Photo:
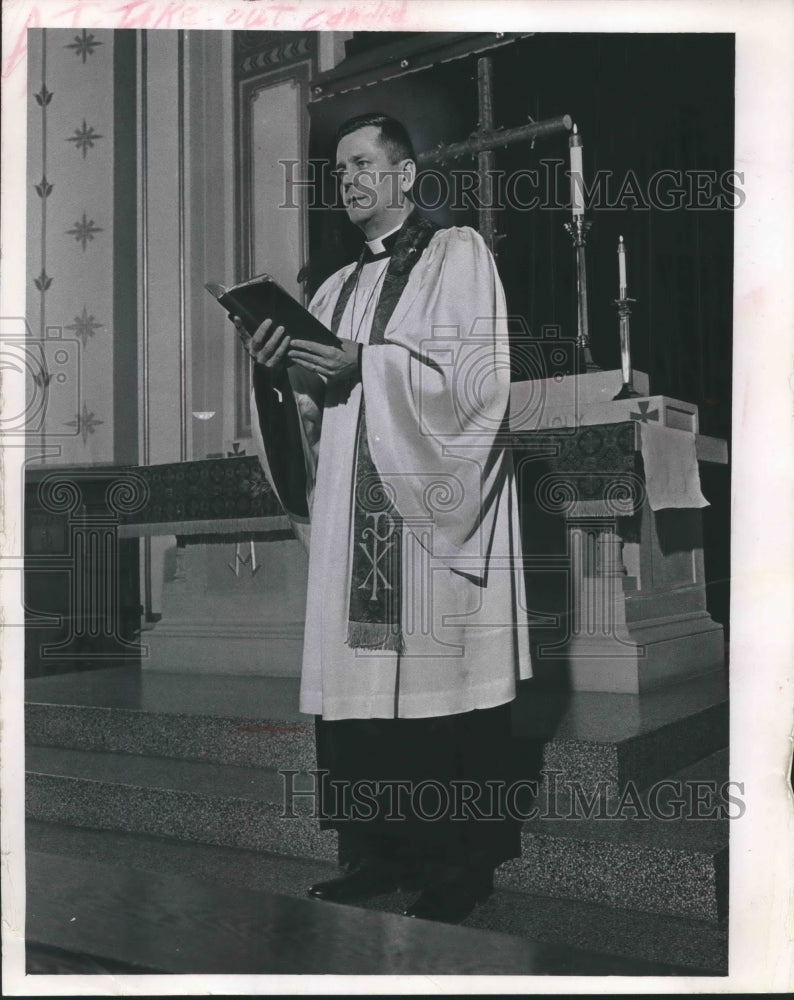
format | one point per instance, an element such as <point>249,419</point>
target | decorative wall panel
<point>70,239</point>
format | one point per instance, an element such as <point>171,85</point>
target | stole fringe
<point>374,635</point>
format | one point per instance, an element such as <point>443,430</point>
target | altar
<point>616,587</point>
<point>612,534</point>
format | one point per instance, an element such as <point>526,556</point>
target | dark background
<point>643,103</point>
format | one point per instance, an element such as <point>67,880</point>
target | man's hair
<point>393,134</point>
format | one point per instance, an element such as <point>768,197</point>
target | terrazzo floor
<point>543,935</point>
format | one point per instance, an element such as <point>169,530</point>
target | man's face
<point>373,187</point>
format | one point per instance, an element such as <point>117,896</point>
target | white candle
<point>622,267</point>
<point>577,174</point>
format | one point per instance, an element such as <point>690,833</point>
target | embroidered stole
<point>375,581</point>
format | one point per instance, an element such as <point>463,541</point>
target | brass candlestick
<point>627,390</point>
<point>578,230</point>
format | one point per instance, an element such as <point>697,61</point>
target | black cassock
<point>446,810</point>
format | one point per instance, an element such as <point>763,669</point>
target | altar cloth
<point>672,479</point>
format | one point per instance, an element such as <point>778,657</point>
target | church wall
<point>229,606</point>
<point>130,172</point>
<point>133,153</point>
<point>71,238</point>
<point>81,320</point>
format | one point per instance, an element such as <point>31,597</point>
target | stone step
<point>224,719</point>
<point>195,801</point>
<point>628,854</point>
<point>180,924</point>
<point>691,946</point>
<point>587,736</point>
<point>591,736</point>
<point>244,741</point>
<point>653,866</point>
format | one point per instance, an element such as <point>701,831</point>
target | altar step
<point>223,804</point>
<point>569,937</point>
<point>197,762</point>
<point>633,854</point>
<point>222,719</point>
<point>589,736</point>
<point>651,865</point>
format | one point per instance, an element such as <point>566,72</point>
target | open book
<point>262,298</point>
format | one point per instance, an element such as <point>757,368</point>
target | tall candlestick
<point>625,345</point>
<point>578,230</point>
<point>627,390</point>
<point>577,173</point>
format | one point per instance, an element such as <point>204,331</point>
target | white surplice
<point>436,393</point>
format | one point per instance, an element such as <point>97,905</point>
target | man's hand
<point>332,362</point>
<point>267,347</point>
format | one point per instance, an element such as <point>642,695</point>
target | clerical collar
<point>382,246</point>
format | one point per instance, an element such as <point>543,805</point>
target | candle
<point>622,267</point>
<point>577,175</point>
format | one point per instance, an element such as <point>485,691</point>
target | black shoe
<point>451,900</point>
<point>363,881</point>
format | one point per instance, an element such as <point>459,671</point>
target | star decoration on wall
<point>85,137</point>
<point>84,326</point>
<point>83,45</point>
<point>85,422</point>
<point>84,231</point>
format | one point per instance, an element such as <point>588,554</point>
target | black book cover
<point>262,298</point>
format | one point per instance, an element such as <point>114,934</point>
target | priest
<point>389,454</point>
